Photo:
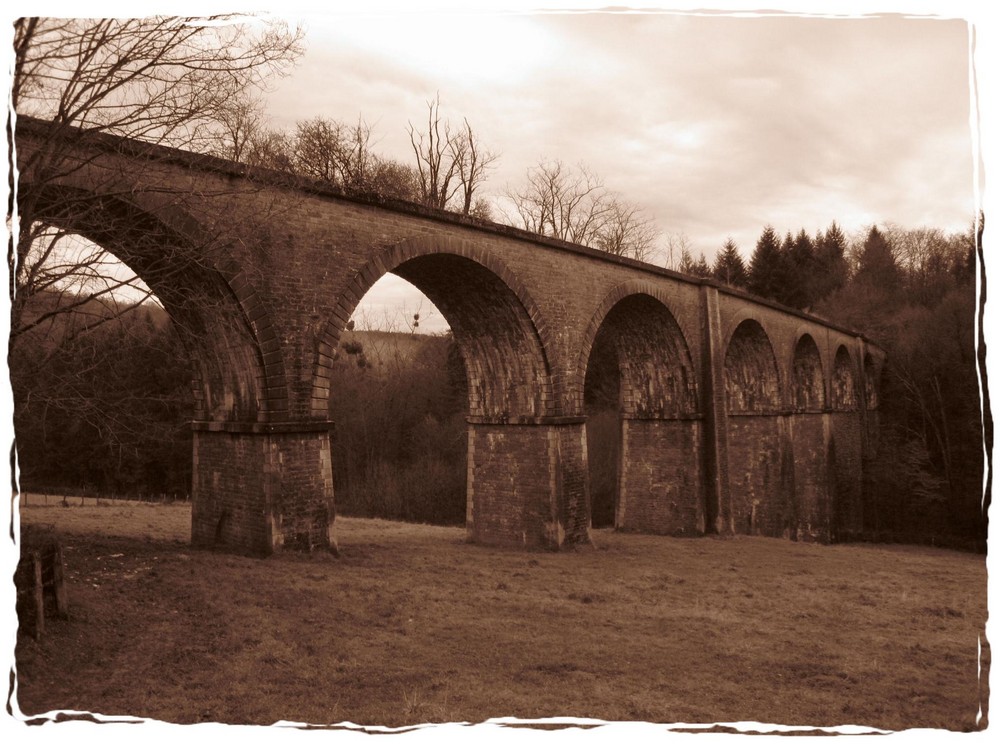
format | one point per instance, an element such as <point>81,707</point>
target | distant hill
<point>384,348</point>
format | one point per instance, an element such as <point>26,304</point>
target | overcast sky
<point>715,124</point>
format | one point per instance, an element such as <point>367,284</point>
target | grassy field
<point>412,624</point>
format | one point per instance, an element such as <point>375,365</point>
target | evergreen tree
<point>729,266</point>
<point>801,285</point>
<point>831,264</point>
<point>687,264</point>
<point>702,269</point>
<point>766,269</point>
<point>876,263</point>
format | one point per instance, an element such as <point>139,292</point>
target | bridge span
<point>737,415</point>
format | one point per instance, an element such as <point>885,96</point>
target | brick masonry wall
<point>760,476</point>
<point>847,473</point>
<point>258,492</point>
<point>509,490</point>
<point>229,501</point>
<point>661,483</point>
<point>527,485</point>
<point>810,440</point>
<point>284,264</point>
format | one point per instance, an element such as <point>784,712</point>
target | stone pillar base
<point>527,482</point>
<point>661,477</point>
<point>259,488</point>
<point>810,442</point>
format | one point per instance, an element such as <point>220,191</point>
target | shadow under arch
<point>808,431</point>
<point>497,326</point>
<point>641,399</point>
<point>751,371</point>
<point>210,298</point>
<point>846,447</point>
<point>807,380</point>
<point>843,385</point>
<point>760,462</point>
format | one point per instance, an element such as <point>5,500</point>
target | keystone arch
<point>514,435</point>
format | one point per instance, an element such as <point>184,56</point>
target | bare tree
<point>238,126</point>
<point>155,79</point>
<point>627,232</point>
<point>574,205</point>
<point>473,162</point>
<point>270,148</point>
<point>316,146</point>
<point>332,151</point>
<point>184,82</point>
<point>561,203</point>
<point>394,180</point>
<point>449,165</point>
<point>433,150</point>
<point>678,245</point>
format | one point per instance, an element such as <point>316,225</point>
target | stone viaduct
<point>737,415</point>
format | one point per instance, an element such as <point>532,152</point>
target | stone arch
<point>658,376</point>
<point>843,389</point>
<point>209,296</point>
<point>658,483</point>
<point>751,371</point>
<point>808,391</point>
<point>496,324</point>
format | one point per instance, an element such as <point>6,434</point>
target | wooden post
<point>58,583</point>
<point>38,594</point>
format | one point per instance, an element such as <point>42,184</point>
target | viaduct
<point>737,415</point>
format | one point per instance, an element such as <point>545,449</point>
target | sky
<point>715,120</point>
<point>714,124</point>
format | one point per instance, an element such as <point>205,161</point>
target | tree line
<point>449,169</point>
<point>913,292</point>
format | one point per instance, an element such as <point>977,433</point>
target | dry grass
<point>412,624</point>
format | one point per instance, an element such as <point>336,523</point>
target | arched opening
<point>846,446</point>
<point>217,317</point>
<point>751,372</point>
<point>761,502</point>
<point>101,381</point>
<point>807,376</point>
<point>809,444</point>
<point>486,382</point>
<point>399,406</point>
<point>181,270</point>
<point>641,402</point>
<point>843,389</point>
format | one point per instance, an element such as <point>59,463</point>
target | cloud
<point>716,125</point>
